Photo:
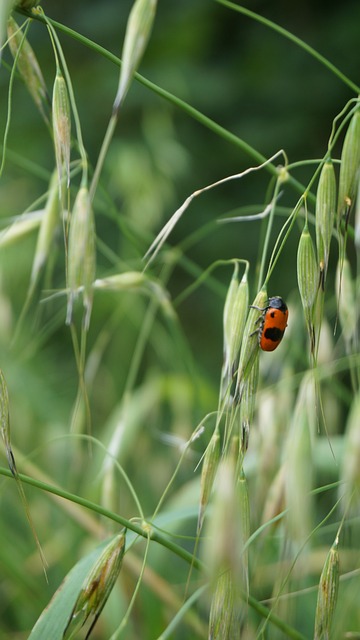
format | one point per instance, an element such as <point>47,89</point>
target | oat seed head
<point>347,304</point>
<point>235,313</point>
<point>81,255</point>
<point>97,587</point>
<point>223,551</point>
<point>349,488</point>
<point>226,609</point>
<point>227,315</point>
<point>220,550</point>
<point>47,230</point>
<point>28,66</point>
<point>308,280</point>
<point>250,343</point>
<point>122,281</point>
<point>138,30</point>
<point>325,215</point>
<point>20,228</point>
<point>327,594</point>
<point>61,118</point>
<point>349,168</point>
<point>357,220</point>
<point>4,416</point>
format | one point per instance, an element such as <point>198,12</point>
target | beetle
<point>273,322</point>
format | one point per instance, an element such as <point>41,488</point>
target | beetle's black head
<point>277,303</point>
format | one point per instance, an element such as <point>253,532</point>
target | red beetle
<point>273,323</point>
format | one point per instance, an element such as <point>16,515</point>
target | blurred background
<point>250,80</point>
<point>255,84</point>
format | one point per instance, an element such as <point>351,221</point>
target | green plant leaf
<point>54,618</point>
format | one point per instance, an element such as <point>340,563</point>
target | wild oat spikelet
<point>96,588</point>
<point>349,489</point>
<point>61,118</point>
<point>5,422</point>
<point>325,216</point>
<point>221,544</point>
<point>28,66</point>
<point>81,255</point>
<point>347,304</point>
<point>307,271</point>
<point>225,610</point>
<point>228,320</point>
<point>308,280</point>
<point>122,281</point>
<point>327,594</point>
<point>224,548</point>
<point>48,226</point>
<point>349,169</point>
<point>250,343</point>
<point>140,282</point>
<point>357,221</point>
<point>234,318</point>
<point>138,31</point>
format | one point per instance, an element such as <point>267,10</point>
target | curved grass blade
<point>5,434</point>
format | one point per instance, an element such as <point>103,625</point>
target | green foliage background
<point>273,95</point>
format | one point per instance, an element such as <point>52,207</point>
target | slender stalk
<point>282,238</point>
<point>102,155</point>
<point>180,614</point>
<point>269,227</point>
<point>290,36</point>
<point>145,532</point>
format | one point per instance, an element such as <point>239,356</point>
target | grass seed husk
<point>325,216</point>
<point>327,594</point>
<point>81,255</point>
<point>61,118</point>
<point>349,169</point>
